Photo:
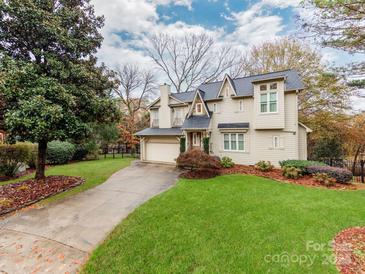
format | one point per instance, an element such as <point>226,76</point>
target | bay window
<point>234,141</point>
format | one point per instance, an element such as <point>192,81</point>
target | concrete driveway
<point>58,237</point>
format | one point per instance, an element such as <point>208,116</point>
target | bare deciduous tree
<point>191,60</point>
<point>136,87</point>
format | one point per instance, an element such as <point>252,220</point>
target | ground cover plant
<point>231,224</point>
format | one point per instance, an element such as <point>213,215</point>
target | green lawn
<point>94,172</point>
<point>231,224</point>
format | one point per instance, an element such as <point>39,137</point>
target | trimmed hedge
<point>12,156</point>
<point>59,152</point>
<point>301,164</point>
<point>341,175</point>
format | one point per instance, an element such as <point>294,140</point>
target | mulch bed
<point>349,247</point>
<point>275,174</point>
<point>200,174</point>
<point>17,195</point>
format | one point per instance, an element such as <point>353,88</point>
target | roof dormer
<point>198,106</point>
<point>227,89</point>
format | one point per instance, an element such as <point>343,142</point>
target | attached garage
<point>160,145</point>
<point>160,149</point>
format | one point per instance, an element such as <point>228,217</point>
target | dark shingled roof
<point>175,131</point>
<point>243,86</point>
<point>234,125</point>
<point>196,122</point>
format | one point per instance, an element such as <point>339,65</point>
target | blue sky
<point>237,23</point>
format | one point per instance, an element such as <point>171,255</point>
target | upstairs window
<point>240,105</point>
<point>263,87</point>
<point>269,102</point>
<point>215,107</point>
<point>199,108</point>
<point>274,86</point>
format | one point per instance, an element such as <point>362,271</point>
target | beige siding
<point>302,145</point>
<point>264,149</point>
<point>291,111</point>
<point>269,120</point>
<point>154,113</point>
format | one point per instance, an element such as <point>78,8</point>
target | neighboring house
<point>247,119</point>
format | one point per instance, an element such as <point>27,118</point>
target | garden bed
<point>18,195</point>
<point>276,174</point>
<point>200,174</point>
<point>349,247</point>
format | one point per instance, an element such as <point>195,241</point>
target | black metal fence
<point>356,167</point>
<point>122,149</point>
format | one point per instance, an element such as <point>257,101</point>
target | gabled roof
<point>243,86</point>
<point>196,122</point>
<point>307,129</point>
<point>231,83</point>
<point>201,96</point>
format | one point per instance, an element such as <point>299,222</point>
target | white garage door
<point>162,152</point>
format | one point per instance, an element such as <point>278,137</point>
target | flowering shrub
<point>197,159</point>
<point>227,162</point>
<point>264,165</point>
<point>324,179</point>
<point>341,175</point>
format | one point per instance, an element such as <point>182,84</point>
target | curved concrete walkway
<point>58,237</point>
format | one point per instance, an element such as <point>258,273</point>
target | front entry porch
<point>194,139</point>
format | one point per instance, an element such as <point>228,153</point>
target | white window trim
<point>240,103</point>
<point>201,108</point>
<point>268,102</point>
<point>229,141</point>
<point>272,84</point>
<point>277,145</point>
<point>215,108</point>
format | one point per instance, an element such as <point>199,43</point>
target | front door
<point>196,139</point>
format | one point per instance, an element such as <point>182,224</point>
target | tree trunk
<point>355,159</point>
<point>41,163</point>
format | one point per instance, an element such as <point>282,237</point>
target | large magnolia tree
<point>52,85</point>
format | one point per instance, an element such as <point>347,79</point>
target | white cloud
<point>257,24</point>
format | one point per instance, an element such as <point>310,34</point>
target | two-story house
<point>247,119</point>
